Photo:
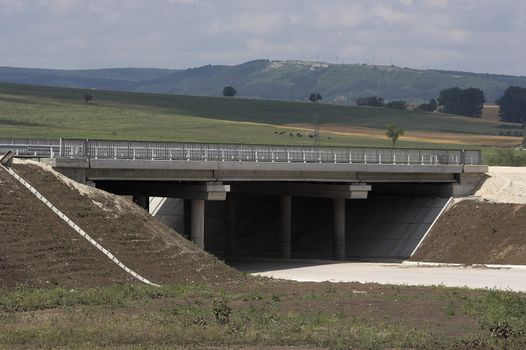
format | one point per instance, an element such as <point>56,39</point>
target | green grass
<point>138,316</point>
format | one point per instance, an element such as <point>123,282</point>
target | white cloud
<point>184,33</point>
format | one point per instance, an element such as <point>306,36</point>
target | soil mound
<point>477,232</point>
<point>37,248</point>
<point>504,185</point>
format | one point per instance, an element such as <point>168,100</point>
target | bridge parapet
<point>204,152</point>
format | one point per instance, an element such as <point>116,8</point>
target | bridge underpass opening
<point>382,227</point>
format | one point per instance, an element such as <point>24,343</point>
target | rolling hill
<point>280,80</point>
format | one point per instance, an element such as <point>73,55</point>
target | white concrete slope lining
<point>76,227</point>
<point>433,224</point>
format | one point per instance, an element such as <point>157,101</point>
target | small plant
<point>450,311</point>
<point>222,311</point>
<point>501,330</point>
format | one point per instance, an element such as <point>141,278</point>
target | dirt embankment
<point>489,228</point>
<point>39,249</point>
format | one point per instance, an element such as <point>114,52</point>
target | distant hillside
<point>282,80</point>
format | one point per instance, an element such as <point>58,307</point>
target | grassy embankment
<point>338,316</point>
<point>45,112</point>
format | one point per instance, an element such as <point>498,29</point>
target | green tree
<point>467,102</point>
<point>373,101</point>
<point>428,107</point>
<point>315,97</point>
<point>512,105</point>
<point>399,104</point>
<point>229,91</point>
<point>394,132</point>
<point>88,97</point>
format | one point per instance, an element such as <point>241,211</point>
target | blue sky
<point>471,35</point>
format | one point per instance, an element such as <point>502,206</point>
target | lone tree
<point>512,105</point>
<point>88,98</point>
<point>394,132</point>
<point>314,98</point>
<point>229,91</point>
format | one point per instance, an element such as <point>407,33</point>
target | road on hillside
<point>388,273</point>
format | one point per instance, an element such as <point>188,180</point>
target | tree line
<point>466,102</point>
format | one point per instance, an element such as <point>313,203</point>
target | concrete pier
<point>198,222</point>
<point>230,227</point>
<point>142,201</point>
<point>339,229</point>
<point>285,226</point>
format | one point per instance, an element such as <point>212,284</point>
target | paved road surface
<point>513,279</point>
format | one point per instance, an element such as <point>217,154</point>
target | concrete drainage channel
<point>5,161</point>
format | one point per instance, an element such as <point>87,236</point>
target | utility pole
<point>314,98</point>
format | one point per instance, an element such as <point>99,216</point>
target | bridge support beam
<point>285,226</point>
<point>339,229</point>
<point>142,201</point>
<point>230,226</point>
<point>198,222</point>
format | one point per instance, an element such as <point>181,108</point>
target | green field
<point>46,112</point>
<point>302,316</point>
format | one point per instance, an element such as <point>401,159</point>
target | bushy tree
<point>373,101</point>
<point>394,132</point>
<point>88,97</point>
<point>315,97</point>
<point>428,107</point>
<point>467,102</point>
<point>229,91</point>
<point>512,105</point>
<point>399,104</point>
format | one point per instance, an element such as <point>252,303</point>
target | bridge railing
<point>105,149</point>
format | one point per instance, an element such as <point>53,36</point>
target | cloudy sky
<point>470,35</point>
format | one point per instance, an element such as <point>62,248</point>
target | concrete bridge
<point>230,179</point>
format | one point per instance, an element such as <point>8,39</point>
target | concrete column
<point>143,202</point>
<point>285,227</point>
<point>187,218</point>
<point>198,222</point>
<point>339,229</point>
<point>230,226</point>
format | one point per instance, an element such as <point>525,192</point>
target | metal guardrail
<point>105,149</point>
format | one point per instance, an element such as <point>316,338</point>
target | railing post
<point>60,147</point>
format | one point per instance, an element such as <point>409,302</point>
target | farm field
<point>46,112</point>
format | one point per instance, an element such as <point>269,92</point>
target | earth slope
<point>489,228</point>
<point>39,249</point>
